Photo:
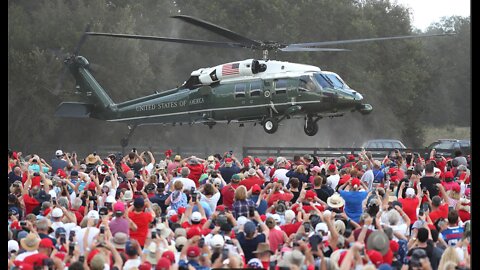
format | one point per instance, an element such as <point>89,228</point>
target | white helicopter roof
<point>241,70</point>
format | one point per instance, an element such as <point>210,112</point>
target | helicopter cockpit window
<point>324,83</point>
<point>335,81</point>
<point>240,90</point>
<point>306,84</point>
<point>281,86</point>
<point>255,89</point>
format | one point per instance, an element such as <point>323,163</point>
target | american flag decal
<point>230,69</point>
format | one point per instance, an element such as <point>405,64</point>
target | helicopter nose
<point>358,96</point>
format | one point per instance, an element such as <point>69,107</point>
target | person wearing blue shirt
<point>454,233</point>
<point>353,197</point>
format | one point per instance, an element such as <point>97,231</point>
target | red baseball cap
<point>220,208</point>
<point>163,264</point>
<point>145,266</point>
<point>256,188</point>
<point>92,186</point>
<point>246,160</point>
<point>375,257</point>
<point>119,206</point>
<point>448,174</point>
<point>228,160</point>
<point>193,251</point>
<point>257,161</point>
<point>174,218</point>
<point>193,231</point>
<point>181,210</point>
<point>351,157</point>
<point>394,246</point>
<point>355,181</point>
<point>263,217</point>
<point>46,243</point>
<point>61,173</point>
<point>169,255</point>
<point>270,160</point>
<point>310,194</point>
<point>332,167</point>
<point>456,187</point>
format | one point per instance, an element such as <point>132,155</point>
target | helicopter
<point>261,91</point>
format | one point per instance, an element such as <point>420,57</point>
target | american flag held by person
<point>230,69</point>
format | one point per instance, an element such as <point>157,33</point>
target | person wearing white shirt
<point>187,183</point>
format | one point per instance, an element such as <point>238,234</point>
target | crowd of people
<point>141,211</point>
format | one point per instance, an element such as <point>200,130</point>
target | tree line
<point>411,84</point>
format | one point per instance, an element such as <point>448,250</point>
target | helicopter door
<point>199,104</point>
<point>282,94</point>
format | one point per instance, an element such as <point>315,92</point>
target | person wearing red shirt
<point>291,224</point>
<point>141,218</point>
<point>196,168</point>
<point>277,193</point>
<point>410,203</point>
<point>252,179</point>
<point>228,191</point>
<point>439,210</point>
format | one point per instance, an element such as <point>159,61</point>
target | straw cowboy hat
<point>335,201</point>
<point>91,159</point>
<point>30,242</point>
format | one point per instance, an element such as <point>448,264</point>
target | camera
<point>23,223</point>
<point>214,174</point>
<point>251,211</point>
<point>81,258</point>
<point>92,198</point>
<point>201,242</point>
<point>71,248</point>
<point>102,229</point>
<point>154,234</point>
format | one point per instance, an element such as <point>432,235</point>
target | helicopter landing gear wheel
<point>311,127</point>
<point>270,125</point>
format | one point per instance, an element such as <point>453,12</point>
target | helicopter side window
<point>281,86</point>
<point>240,90</point>
<point>306,84</point>
<point>255,89</point>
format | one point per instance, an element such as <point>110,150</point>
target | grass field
<point>447,132</point>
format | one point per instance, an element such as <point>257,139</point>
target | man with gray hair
<point>43,226</point>
<point>187,182</point>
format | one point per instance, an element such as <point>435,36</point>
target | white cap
<point>241,220</point>
<point>252,172</point>
<point>110,199</point>
<point>217,241</point>
<point>321,227</point>
<point>277,218</point>
<point>12,246</point>
<point>160,226</point>
<point>410,192</point>
<point>57,212</point>
<point>196,216</point>
<point>327,213</point>
<point>171,212</point>
<point>217,181</point>
<point>152,247</point>
<point>59,153</point>
<point>52,193</point>
<point>289,215</point>
<point>93,214</point>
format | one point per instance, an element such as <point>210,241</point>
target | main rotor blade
<point>82,40</point>
<point>219,30</point>
<point>176,40</point>
<point>336,42</point>
<point>312,49</point>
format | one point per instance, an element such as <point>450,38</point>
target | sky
<point>424,12</point>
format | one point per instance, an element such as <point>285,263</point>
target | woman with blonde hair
<point>301,173</point>
<point>241,204</point>
<point>450,255</point>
